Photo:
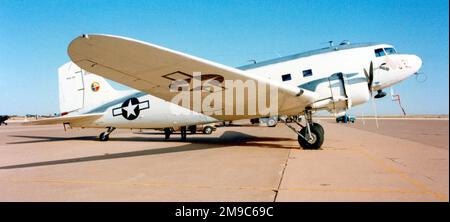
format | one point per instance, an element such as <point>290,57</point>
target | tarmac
<point>402,160</point>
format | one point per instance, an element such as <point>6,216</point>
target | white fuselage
<point>319,71</point>
<point>153,113</point>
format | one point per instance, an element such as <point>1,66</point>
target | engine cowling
<point>342,92</point>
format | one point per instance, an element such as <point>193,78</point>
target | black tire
<point>207,130</point>
<point>317,135</point>
<point>319,127</point>
<point>193,129</point>
<point>183,131</point>
<point>167,132</point>
<point>103,137</point>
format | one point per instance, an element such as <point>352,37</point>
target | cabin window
<point>379,52</point>
<point>390,51</point>
<point>307,73</point>
<point>286,77</point>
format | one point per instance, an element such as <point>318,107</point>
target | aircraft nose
<point>416,63</point>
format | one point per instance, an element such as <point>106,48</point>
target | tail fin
<point>80,90</point>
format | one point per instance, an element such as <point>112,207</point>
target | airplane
<point>333,78</point>
<point>3,120</point>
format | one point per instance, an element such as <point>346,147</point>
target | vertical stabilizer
<point>71,88</point>
<point>81,91</point>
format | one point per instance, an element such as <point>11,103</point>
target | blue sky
<point>34,36</point>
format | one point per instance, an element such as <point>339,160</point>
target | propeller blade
<point>370,76</point>
<point>367,75</point>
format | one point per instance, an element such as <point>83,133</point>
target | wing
<point>65,119</point>
<point>153,69</point>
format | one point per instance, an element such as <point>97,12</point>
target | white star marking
<point>130,109</point>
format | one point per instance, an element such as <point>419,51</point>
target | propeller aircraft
<point>174,89</point>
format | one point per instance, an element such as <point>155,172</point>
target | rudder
<point>81,91</point>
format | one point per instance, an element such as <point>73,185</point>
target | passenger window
<point>379,52</point>
<point>307,73</point>
<point>390,51</point>
<point>286,77</point>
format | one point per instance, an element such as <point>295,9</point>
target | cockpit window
<point>390,51</point>
<point>379,52</point>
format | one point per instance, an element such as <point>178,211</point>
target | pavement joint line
<point>282,175</point>
<point>404,176</point>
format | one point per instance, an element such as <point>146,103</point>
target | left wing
<point>152,69</point>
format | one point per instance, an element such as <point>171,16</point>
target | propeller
<point>369,77</point>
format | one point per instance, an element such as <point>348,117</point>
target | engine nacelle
<point>342,92</point>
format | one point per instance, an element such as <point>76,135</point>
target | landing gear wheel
<point>316,137</point>
<point>103,137</point>
<point>167,132</point>
<point>319,127</point>
<point>207,130</point>
<point>193,129</point>
<point>183,133</point>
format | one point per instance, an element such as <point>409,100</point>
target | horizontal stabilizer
<point>65,119</point>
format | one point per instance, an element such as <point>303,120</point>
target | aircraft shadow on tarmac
<point>227,139</point>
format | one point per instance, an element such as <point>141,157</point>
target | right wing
<point>152,69</point>
<point>65,119</point>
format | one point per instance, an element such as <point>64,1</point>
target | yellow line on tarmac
<point>149,184</point>
<point>356,190</point>
<point>403,175</point>
<point>187,186</point>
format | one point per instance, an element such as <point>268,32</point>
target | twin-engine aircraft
<point>174,89</point>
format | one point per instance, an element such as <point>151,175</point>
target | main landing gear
<point>183,130</point>
<point>169,131</point>
<point>105,135</point>
<point>311,135</point>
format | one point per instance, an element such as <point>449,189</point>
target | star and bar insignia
<point>131,108</point>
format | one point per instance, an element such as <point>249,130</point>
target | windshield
<point>379,52</point>
<point>390,51</point>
